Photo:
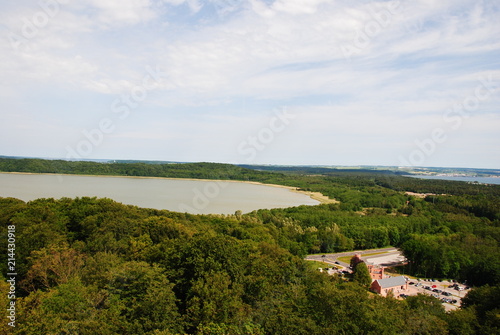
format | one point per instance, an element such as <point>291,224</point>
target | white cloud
<point>112,12</point>
<point>194,5</point>
<point>298,6</point>
<point>395,87</point>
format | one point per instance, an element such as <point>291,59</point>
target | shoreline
<point>322,199</point>
<point>318,196</point>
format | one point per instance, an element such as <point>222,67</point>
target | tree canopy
<point>95,266</point>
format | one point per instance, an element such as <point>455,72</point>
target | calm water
<point>192,196</point>
<point>482,180</point>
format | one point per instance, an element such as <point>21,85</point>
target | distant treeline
<point>310,178</point>
<point>172,170</point>
<point>319,170</point>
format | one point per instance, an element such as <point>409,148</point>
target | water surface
<point>180,195</point>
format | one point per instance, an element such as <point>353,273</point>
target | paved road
<point>392,255</point>
<point>332,258</point>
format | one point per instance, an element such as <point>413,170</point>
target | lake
<point>180,195</point>
<point>482,180</point>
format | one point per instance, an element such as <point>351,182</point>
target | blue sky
<point>252,81</point>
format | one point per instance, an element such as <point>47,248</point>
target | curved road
<point>387,256</point>
<point>332,258</point>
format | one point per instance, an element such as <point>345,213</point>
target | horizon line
<point>101,160</point>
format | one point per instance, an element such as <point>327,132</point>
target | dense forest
<point>186,170</point>
<point>94,266</point>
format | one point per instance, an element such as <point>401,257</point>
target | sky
<point>289,82</point>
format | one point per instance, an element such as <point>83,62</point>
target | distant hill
<point>304,169</point>
<point>321,170</point>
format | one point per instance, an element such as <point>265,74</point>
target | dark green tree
<point>361,275</point>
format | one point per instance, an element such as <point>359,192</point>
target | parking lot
<point>384,256</point>
<point>440,290</point>
<point>392,257</point>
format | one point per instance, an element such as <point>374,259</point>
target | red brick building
<point>376,271</point>
<point>396,285</point>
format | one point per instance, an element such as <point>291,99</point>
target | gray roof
<point>392,281</point>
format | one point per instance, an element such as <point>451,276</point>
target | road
<point>392,256</point>
<point>388,256</point>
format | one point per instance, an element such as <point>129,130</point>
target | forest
<point>95,266</point>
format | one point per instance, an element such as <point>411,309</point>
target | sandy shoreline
<point>319,197</point>
<point>323,199</point>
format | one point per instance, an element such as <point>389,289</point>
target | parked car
<point>436,290</point>
<point>411,283</point>
<point>446,293</point>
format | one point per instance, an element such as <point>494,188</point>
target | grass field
<point>316,264</point>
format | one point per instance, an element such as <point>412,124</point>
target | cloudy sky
<point>321,82</point>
